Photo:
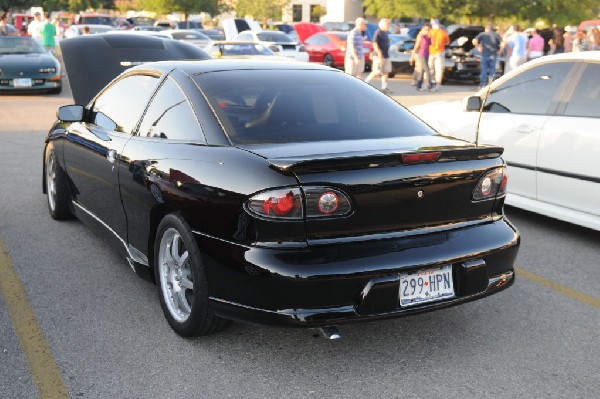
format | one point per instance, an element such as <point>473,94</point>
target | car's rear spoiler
<point>376,158</point>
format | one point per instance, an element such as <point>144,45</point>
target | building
<point>335,10</point>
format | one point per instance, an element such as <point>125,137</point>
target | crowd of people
<point>516,45</point>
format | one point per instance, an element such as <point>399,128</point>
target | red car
<point>329,48</point>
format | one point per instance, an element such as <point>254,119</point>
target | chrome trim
<point>220,239</point>
<point>134,254</point>
<point>500,280</point>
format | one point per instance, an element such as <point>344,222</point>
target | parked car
<point>190,36</point>
<point>21,22</point>
<point>214,34</point>
<point>276,41</point>
<point>77,30</point>
<point>329,48</point>
<point>225,49</point>
<point>234,26</point>
<point>461,64</point>
<point>189,25</point>
<point>400,53</point>
<point>93,19</point>
<point>26,66</point>
<point>546,115</point>
<point>279,193</point>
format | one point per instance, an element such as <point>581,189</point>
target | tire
<point>328,61</point>
<point>181,280</point>
<point>57,188</point>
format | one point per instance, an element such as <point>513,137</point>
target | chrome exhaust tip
<point>330,332</point>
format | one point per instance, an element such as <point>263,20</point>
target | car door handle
<point>524,129</point>
<point>111,155</point>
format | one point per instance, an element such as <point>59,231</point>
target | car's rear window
<point>283,106</point>
<point>274,37</point>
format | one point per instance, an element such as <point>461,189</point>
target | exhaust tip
<point>330,332</point>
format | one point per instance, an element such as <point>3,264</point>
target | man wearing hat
<point>437,52</point>
<point>488,44</point>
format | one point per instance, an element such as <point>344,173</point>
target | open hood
<point>307,29</point>
<point>92,61</point>
<point>462,37</point>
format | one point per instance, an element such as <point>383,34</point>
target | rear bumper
<point>339,284</point>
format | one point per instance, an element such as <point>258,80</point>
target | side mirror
<point>70,113</point>
<point>473,104</point>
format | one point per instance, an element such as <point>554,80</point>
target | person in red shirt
<point>437,52</point>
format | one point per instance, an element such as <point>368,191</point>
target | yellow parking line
<point>45,374</point>
<point>561,289</point>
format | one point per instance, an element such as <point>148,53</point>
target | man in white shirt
<point>35,27</point>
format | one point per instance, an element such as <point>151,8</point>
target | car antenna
<point>487,93</point>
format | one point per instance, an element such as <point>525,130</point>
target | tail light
<point>326,202</point>
<point>420,157</point>
<point>294,203</point>
<point>491,185</point>
<point>277,204</point>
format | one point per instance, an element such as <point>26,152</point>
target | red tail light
<point>420,157</point>
<point>285,203</point>
<point>491,185</point>
<point>288,203</point>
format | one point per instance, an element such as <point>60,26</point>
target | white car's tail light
<point>491,185</point>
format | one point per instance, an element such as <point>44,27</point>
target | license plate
<point>22,82</point>
<point>426,285</point>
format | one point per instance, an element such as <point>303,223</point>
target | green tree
<point>261,9</point>
<point>7,5</point>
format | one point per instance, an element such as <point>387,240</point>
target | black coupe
<point>273,192</point>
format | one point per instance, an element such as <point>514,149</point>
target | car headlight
<point>47,70</point>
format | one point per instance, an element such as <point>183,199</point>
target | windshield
<point>243,49</point>
<point>189,36</point>
<point>274,37</point>
<point>294,105</point>
<point>95,20</point>
<point>19,45</point>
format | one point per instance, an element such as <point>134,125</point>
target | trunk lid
<point>388,195</point>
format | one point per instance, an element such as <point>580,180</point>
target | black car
<point>278,193</point>
<point>461,62</point>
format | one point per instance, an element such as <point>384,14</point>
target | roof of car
<point>214,65</point>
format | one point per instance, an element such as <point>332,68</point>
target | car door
<point>315,45</point>
<point>92,152</point>
<point>168,135</point>
<point>568,169</point>
<point>516,112</point>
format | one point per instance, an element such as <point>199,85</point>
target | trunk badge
<point>420,194</point>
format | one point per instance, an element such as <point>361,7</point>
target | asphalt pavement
<point>106,336</point>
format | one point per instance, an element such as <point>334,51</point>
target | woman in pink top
<point>535,46</point>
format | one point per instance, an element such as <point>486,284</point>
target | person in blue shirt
<point>382,64</point>
<point>354,62</point>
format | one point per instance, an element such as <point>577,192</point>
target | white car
<point>190,36</point>
<point>278,42</point>
<point>77,30</point>
<point>546,115</point>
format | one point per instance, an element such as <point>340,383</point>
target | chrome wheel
<point>328,60</point>
<point>175,273</point>
<point>51,182</point>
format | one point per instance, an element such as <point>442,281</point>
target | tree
<point>187,7</point>
<point>7,5</point>
<point>261,9</point>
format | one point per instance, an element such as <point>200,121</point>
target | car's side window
<point>170,116</point>
<point>313,40</point>
<point>124,102</point>
<point>585,100</point>
<point>535,91</point>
